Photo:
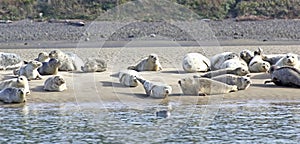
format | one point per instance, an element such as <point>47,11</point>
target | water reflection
<point>64,123</point>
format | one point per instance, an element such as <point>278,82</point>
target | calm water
<point>232,123</point>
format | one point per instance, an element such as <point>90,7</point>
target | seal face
<point>128,78</point>
<point>289,59</point>
<point>257,64</point>
<point>204,86</point>
<point>67,64</point>
<point>151,63</point>
<point>285,76</point>
<point>195,62</point>
<point>55,83</point>
<point>13,95</point>
<point>242,82</point>
<point>94,65</point>
<point>155,89</point>
<point>20,82</point>
<point>50,67</point>
<point>30,70</point>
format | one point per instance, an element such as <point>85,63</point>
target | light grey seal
<point>289,59</point>
<point>195,62</point>
<point>151,63</point>
<point>204,86</point>
<point>218,59</point>
<point>13,95</point>
<point>237,71</point>
<point>242,82</point>
<point>9,61</point>
<point>155,89</point>
<point>257,64</point>
<point>285,76</point>
<point>29,70</point>
<point>55,83</point>
<point>94,65</point>
<point>128,78</point>
<point>67,63</point>
<point>20,82</point>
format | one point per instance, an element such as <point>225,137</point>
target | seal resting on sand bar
<point>151,63</point>
<point>94,65</point>
<point>195,62</point>
<point>155,89</point>
<point>20,82</point>
<point>30,70</point>
<point>55,83</point>
<point>50,67</point>
<point>237,71</point>
<point>285,76</point>
<point>128,78</point>
<point>13,95</point>
<point>242,82</point>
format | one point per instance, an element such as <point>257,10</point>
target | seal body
<point>272,58</point>
<point>218,59</point>
<point>257,64</point>
<point>246,55</point>
<point>155,89</point>
<point>234,63</point>
<point>67,64</point>
<point>13,95</point>
<point>237,71</point>
<point>151,63</point>
<point>20,82</point>
<point>195,62</point>
<point>242,82</point>
<point>43,57</point>
<point>289,59</point>
<point>50,67</point>
<point>94,65</point>
<point>10,61</point>
<point>128,78</point>
<point>30,70</point>
<point>285,76</point>
<point>55,83</point>
<point>204,86</point>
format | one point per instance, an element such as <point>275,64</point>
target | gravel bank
<point>268,30</point>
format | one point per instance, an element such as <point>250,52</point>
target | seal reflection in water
<point>13,95</point>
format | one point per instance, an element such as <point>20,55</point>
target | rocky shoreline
<point>229,29</point>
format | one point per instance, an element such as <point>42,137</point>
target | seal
<point>272,58</point>
<point>43,57</point>
<point>50,67</point>
<point>234,63</point>
<point>204,86</point>
<point>13,95</point>
<point>155,89</point>
<point>237,71</point>
<point>289,59</point>
<point>195,62</point>
<point>218,59</point>
<point>55,83</point>
<point>242,82</point>
<point>128,78</point>
<point>285,76</point>
<point>257,64</point>
<point>151,63</point>
<point>94,65</point>
<point>29,70</point>
<point>9,61</point>
<point>67,64</point>
<point>246,55</point>
<point>20,82</point>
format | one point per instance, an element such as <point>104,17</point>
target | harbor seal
<point>234,63</point>
<point>9,61</point>
<point>246,55</point>
<point>155,89</point>
<point>30,70</point>
<point>55,83</point>
<point>151,63</point>
<point>272,58</point>
<point>218,59</point>
<point>128,78</point>
<point>13,95</point>
<point>237,71</point>
<point>204,86</point>
<point>20,82</point>
<point>285,76</point>
<point>242,82</point>
<point>94,65</point>
<point>257,64</point>
<point>67,64</point>
<point>195,62</point>
<point>43,57</point>
<point>289,59</point>
<point>50,67</point>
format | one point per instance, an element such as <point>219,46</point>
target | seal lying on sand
<point>128,78</point>
<point>29,70</point>
<point>94,65</point>
<point>218,59</point>
<point>242,82</point>
<point>20,82</point>
<point>151,63</point>
<point>155,89</point>
<point>237,71</point>
<point>67,64</point>
<point>13,95</point>
<point>204,86</point>
<point>43,57</point>
<point>195,62</point>
<point>257,64</point>
<point>50,67</point>
<point>55,83</point>
<point>285,76</point>
<point>9,61</point>
<point>246,55</point>
<point>289,60</point>
<point>234,63</point>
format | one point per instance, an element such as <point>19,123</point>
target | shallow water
<point>254,122</point>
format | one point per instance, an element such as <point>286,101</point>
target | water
<point>232,123</point>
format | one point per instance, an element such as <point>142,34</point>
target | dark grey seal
<point>285,76</point>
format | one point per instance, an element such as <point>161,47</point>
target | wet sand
<point>103,88</point>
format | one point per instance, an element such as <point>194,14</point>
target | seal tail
<point>142,81</point>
